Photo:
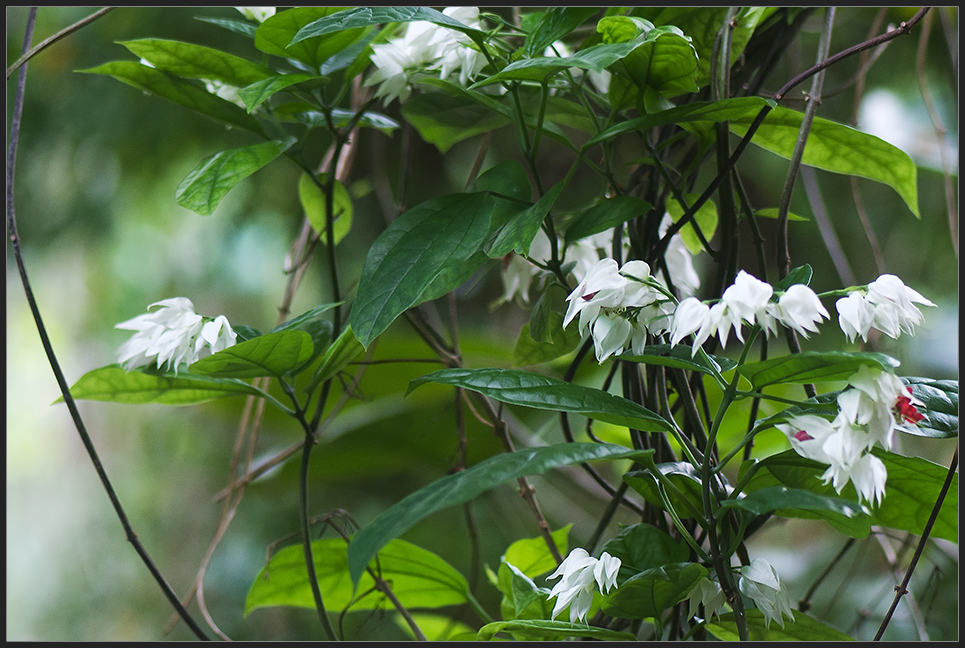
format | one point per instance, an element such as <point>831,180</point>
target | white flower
<point>760,583</point>
<point>610,332</point>
<point>580,571</point>
<point>888,305</point>
<point>799,308</point>
<point>173,334</point>
<point>691,316</point>
<point>680,263</point>
<point>869,475</point>
<point>602,286</point>
<point>743,300</point>
<point>709,594</point>
<point>259,14</point>
<point>855,315</point>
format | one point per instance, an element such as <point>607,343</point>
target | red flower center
<point>907,411</point>
<point>801,435</point>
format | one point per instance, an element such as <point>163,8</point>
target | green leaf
<point>803,628</point>
<point>641,547</point>
<point>940,398</point>
<point>465,485</point>
<point>913,487</point>
<point>799,275</point>
<point>522,598</point>
<point>535,629</point>
<point>343,350</point>
<point>312,198</point>
<point>419,579</point>
<point>560,342</point>
<point>605,215</point>
<point>680,357</point>
<point>706,219</point>
<point>812,366</point>
<point>274,354</point>
<point>537,70</point>
<point>196,61</point>
<point>259,92</point>
<point>114,384</point>
<point>367,16</point>
<point>419,246</point>
<point>767,500</point>
<point>556,23</point>
<point>837,148</point>
<point>774,212</point>
<point>507,179</point>
<point>646,595</point>
<point>517,235</point>
<point>516,387</point>
<point>444,120</point>
<point>206,185</point>
<point>532,557</point>
<point>697,111</point>
<point>237,26</point>
<point>667,62</point>
<point>276,36</point>
<point>185,93</point>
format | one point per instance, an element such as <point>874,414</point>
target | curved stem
<point>56,37</point>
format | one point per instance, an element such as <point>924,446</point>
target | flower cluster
<point>886,304</point>
<point>173,334</point>
<point>760,583</point>
<point>426,47</point>
<point>869,411</point>
<point>580,571</point>
<point>618,307</point>
<point>709,594</point>
<point>748,301</point>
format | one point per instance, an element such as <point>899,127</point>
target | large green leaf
<point>419,579</point>
<point>274,354</point>
<point>465,485</point>
<point>185,93</point>
<point>444,120</point>
<point>685,496</point>
<point>367,16</point>
<point>516,387</point>
<point>258,92</point>
<point>697,111</point>
<point>532,557</point>
<point>559,342</point>
<point>641,547</point>
<point>667,62</point>
<point>114,384</point>
<point>276,36</point>
<point>774,498</point>
<point>803,628</point>
<point>605,215</point>
<point>556,23</point>
<point>197,61</point>
<point>203,188</point>
<point>940,398</point>
<point>837,148</point>
<point>414,250</point>
<point>342,351</point>
<point>647,594</point>
<point>812,366</point>
<point>536,629</point>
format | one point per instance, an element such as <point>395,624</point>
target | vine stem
<point>67,31</point>
<point>902,588</point>
<point>52,358</point>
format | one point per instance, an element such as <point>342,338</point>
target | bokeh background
<point>97,169</point>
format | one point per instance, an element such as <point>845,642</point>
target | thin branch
<point>51,356</point>
<point>56,37</point>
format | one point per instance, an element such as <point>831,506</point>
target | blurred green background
<point>97,168</point>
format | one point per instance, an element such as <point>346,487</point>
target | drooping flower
<point>173,334</point>
<point>610,332</point>
<point>691,316</point>
<point>602,286</point>
<point>680,262</point>
<point>800,309</point>
<point>709,594</point>
<point>855,316</point>
<point>760,582</point>
<point>580,572</point>
<point>886,304</point>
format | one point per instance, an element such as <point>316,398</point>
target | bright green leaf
<point>913,488</point>
<point>114,384</point>
<point>419,579</point>
<point>533,629</point>
<point>196,61</point>
<point>517,235</point>
<point>532,557</point>
<point>274,354</point>
<point>641,547</point>
<point>203,188</point>
<point>767,500</point>
<point>468,484</point>
<point>343,350</point>
<point>527,389</point>
<point>940,398</point>
<point>185,93</point>
<point>367,16</point>
<point>258,92</point>
<point>555,24</point>
<point>680,357</point>
<point>275,36</point>
<point>605,215</point>
<point>812,366</point>
<point>837,148</point>
<point>560,342</point>
<point>419,246</point>
<point>312,199</point>
<point>705,218</point>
